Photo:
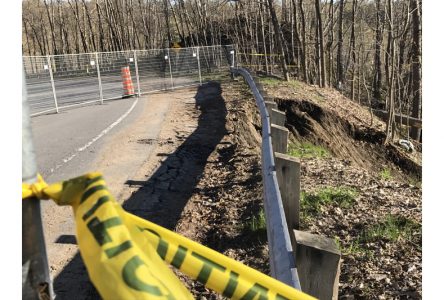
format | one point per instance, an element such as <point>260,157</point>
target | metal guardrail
<point>57,82</point>
<point>282,261</point>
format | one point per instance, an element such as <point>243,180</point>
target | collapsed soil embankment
<point>345,138</point>
<point>356,190</point>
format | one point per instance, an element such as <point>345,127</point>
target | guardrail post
<point>288,171</point>
<point>99,78</point>
<point>137,73</point>
<point>198,66</point>
<point>318,263</point>
<point>48,58</point>
<point>36,283</point>
<point>270,105</point>
<point>169,64</point>
<point>279,137</point>
<point>277,117</point>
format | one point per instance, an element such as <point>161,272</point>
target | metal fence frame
<point>56,82</point>
<point>282,262</point>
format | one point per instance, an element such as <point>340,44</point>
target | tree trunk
<point>330,43</point>
<point>377,60</point>
<point>321,44</point>
<point>415,133</point>
<point>339,62</point>
<point>304,55</point>
<point>278,37</point>
<point>391,75</point>
<point>51,26</point>
<point>353,48</point>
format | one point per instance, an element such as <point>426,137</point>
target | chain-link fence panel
<point>184,66</point>
<point>111,65</point>
<point>153,70</point>
<point>60,81</point>
<point>75,79</point>
<point>215,61</point>
<point>38,84</point>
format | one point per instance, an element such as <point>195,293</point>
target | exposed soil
<point>203,180</point>
<point>381,268</point>
<point>346,137</point>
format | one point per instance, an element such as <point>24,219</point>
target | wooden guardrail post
<point>277,117</point>
<point>270,105</point>
<point>288,171</point>
<point>318,264</point>
<point>279,137</point>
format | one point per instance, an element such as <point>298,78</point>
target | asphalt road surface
<point>77,90</point>
<point>103,138</point>
<point>58,137</point>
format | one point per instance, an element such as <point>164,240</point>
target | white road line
<point>105,131</point>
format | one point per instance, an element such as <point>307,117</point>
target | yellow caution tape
<point>176,45</point>
<point>275,64</point>
<point>125,254</point>
<point>35,189</point>
<point>259,54</point>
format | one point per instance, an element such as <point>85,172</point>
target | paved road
<point>67,145</point>
<point>83,89</point>
<point>58,137</point>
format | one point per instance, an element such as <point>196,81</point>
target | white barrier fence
<point>56,82</point>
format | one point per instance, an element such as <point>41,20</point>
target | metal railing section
<point>282,261</point>
<point>60,81</point>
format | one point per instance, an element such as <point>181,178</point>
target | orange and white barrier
<point>128,87</point>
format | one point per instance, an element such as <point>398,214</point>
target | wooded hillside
<point>368,49</point>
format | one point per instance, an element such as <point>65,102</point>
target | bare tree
<point>377,77</point>
<point>320,31</point>
<point>339,64</point>
<point>416,65</point>
<point>278,37</point>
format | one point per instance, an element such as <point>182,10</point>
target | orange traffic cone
<point>128,88</point>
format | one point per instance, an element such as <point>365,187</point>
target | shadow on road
<point>162,198</point>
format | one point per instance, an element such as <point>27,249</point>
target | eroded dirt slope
<point>204,180</point>
<point>374,216</point>
<point>326,117</point>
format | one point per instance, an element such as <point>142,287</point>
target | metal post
<point>137,73</point>
<point>232,58</point>
<point>99,78</point>
<point>235,55</point>
<point>171,73</point>
<point>48,58</point>
<point>36,283</point>
<point>198,66</point>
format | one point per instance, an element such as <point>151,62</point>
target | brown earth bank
<point>203,180</point>
<point>376,215</point>
<point>206,181</point>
